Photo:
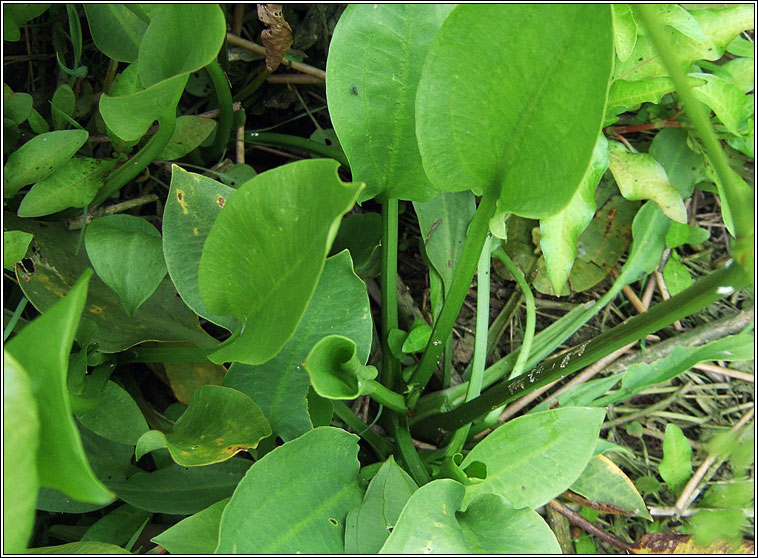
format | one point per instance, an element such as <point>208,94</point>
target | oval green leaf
<point>190,132</point>
<point>173,44</point>
<point>15,245</point>
<point>373,70</point>
<point>181,490</point>
<point>73,185</point>
<point>197,534</point>
<point>114,416</point>
<point>39,158</point>
<point>129,116</point>
<point>432,523</point>
<point>63,464</point>
<point>194,201</point>
<point>219,423</point>
<point>368,525</point>
<point>534,458</point>
<point>296,498</point>
<point>265,253</point>
<point>20,442</point>
<point>127,254</point>
<point>602,481</point>
<point>503,118</point>
<point>116,30</point>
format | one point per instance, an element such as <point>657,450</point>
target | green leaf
<point>560,232</point>
<point>361,234</point>
<point>15,245</point>
<point>431,523</point>
<point>676,275</point>
<point>181,490</point>
<point>197,534</point>
<point>649,230</point>
<point>680,19</point>
<point>219,423</point>
<point>624,30</point>
<point>21,426</point>
<point>683,167</point>
<point>369,524</point>
<point>55,266</point>
<point>115,416</point>
<point>640,177</point>
<point>63,464</point>
<point>38,124</point>
<point>193,203</point>
<point>111,462</point>
<point>116,30</point>
<point>373,70</point>
<point>39,157</point>
<point>17,106</point>
<point>534,458</point>
<point>335,369</point>
<point>625,94</point>
<point>72,185</point>
<point>130,116</point>
<point>720,27</point>
<point>63,105</point>
<point>698,235</point>
<point>444,221</point>
<point>602,481</point>
<point>271,240</point>
<point>296,498</point>
<point>127,254</point>
<point>727,100</point>
<point>16,15</point>
<point>189,133</point>
<point>79,548</point>
<point>339,306</point>
<point>731,494</point>
<point>676,466</point>
<point>417,337</point>
<point>117,526</point>
<point>172,45</point>
<point>187,377</point>
<point>742,71</point>
<point>494,118</point>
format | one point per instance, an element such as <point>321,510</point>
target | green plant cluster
<point>498,124</point>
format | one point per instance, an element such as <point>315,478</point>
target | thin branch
<point>258,49</point>
<point>591,528</point>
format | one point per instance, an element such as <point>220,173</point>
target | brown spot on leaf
<point>220,201</point>
<point>180,199</point>
<point>95,309</point>
<point>195,231</point>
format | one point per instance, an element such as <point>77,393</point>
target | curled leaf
<point>335,370</point>
<point>277,39</point>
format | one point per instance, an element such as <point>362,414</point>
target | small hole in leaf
<point>327,141</point>
<point>333,521</point>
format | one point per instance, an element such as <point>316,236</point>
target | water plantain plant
<point>499,125</point>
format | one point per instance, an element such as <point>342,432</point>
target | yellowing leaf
<point>640,177</point>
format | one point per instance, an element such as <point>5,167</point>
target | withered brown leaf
<point>277,39</point>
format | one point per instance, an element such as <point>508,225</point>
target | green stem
<point>407,451</point>
<point>385,396</point>
<point>131,168</point>
<point>477,234</point>
<point>739,199</point>
<point>390,365</point>
<point>286,140</point>
<point>480,341</point>
<point>225,112</point>
<point>165,354</point>
<point>711,288</point>
<point>531,313</point>
<point>379,444</point>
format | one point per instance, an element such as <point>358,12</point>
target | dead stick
<point>584,524</point>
